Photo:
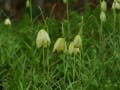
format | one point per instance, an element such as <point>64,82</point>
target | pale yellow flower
<point>72,49</point>
<point>60,45</point>
<point>77,41</point>
<point>7,21</point>
<point>103,6</point>
<point>116,4</point>
<point>103,16</point>
<point>43,39</point>
<point>27,3</point>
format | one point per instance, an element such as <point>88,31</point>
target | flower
<point>72,49</point>
<point>43,39</point>
<point>116,4</point>
<point>60,45</point>
<point>103,6</point>
<point>103,16</point>
<point>65,1</point>
<point>27,3</point>
<point>77,41</point>
<point>7,21</point>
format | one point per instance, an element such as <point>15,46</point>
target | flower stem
<point>31,12</point>
<point>114,23</point>
<point>74,68</point>
<point>43,60</point>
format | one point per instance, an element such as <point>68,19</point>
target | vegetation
<point>96,66</point>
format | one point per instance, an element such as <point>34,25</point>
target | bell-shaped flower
<point>103,6</point>
<point>27,3</point>
<point>103,16</point>
<point>43,39</point>
<point>60,45</point>
<point>72,49</point>
<point>7,21</point>
<point>65,1</point>
<point>77,41</point>
<point>116,5</point>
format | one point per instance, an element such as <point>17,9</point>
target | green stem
<point>43,60</point>
<point>31,11</point>
<point>81,26</point>
<point>68,26</point>
<point>114,25</point>
<point>101,31</point>
<point>74,69</point>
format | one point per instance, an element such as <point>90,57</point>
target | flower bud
<point>103,6</point>
<point>43,39</point>
<point>7,21</point>
<point>103,16</point>
<point>72,49</point>
<point>77,41</point>
<point>60,45</point>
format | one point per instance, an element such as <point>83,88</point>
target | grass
<point>97,67</point>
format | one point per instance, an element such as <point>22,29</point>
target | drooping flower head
<point>43,39</point>
<point>103,5</point>
<point>72,49</point>
<point>7,21</point>
<point>103,16</point>
<point>77,41</point>
<point>60,45</point>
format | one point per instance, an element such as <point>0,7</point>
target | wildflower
<point>103,6</point>
<point>27,3</point>
<point>7,21</point>
<point>116,4</point>
<point>60,45</point>
<point>103,16</point>
<point>77,41</point>
<point>72,49</point>
<point>65,1</point>
<point>43,39</point>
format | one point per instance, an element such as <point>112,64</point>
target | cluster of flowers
<point>43,40</point>
<point>103,10</point>
<point>115,5</point>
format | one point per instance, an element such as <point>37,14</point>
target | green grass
<point>97,67</point>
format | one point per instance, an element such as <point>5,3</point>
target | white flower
<point>72,49</point>
<point>65,1</point>
<point>77,41</point>
<point>60,45</point>
<point>43,39</point>
<point>27,3</point>
<point>103,16</point>
<point>116,4</point>
<point>103,6</point>
<point>7,21</point>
